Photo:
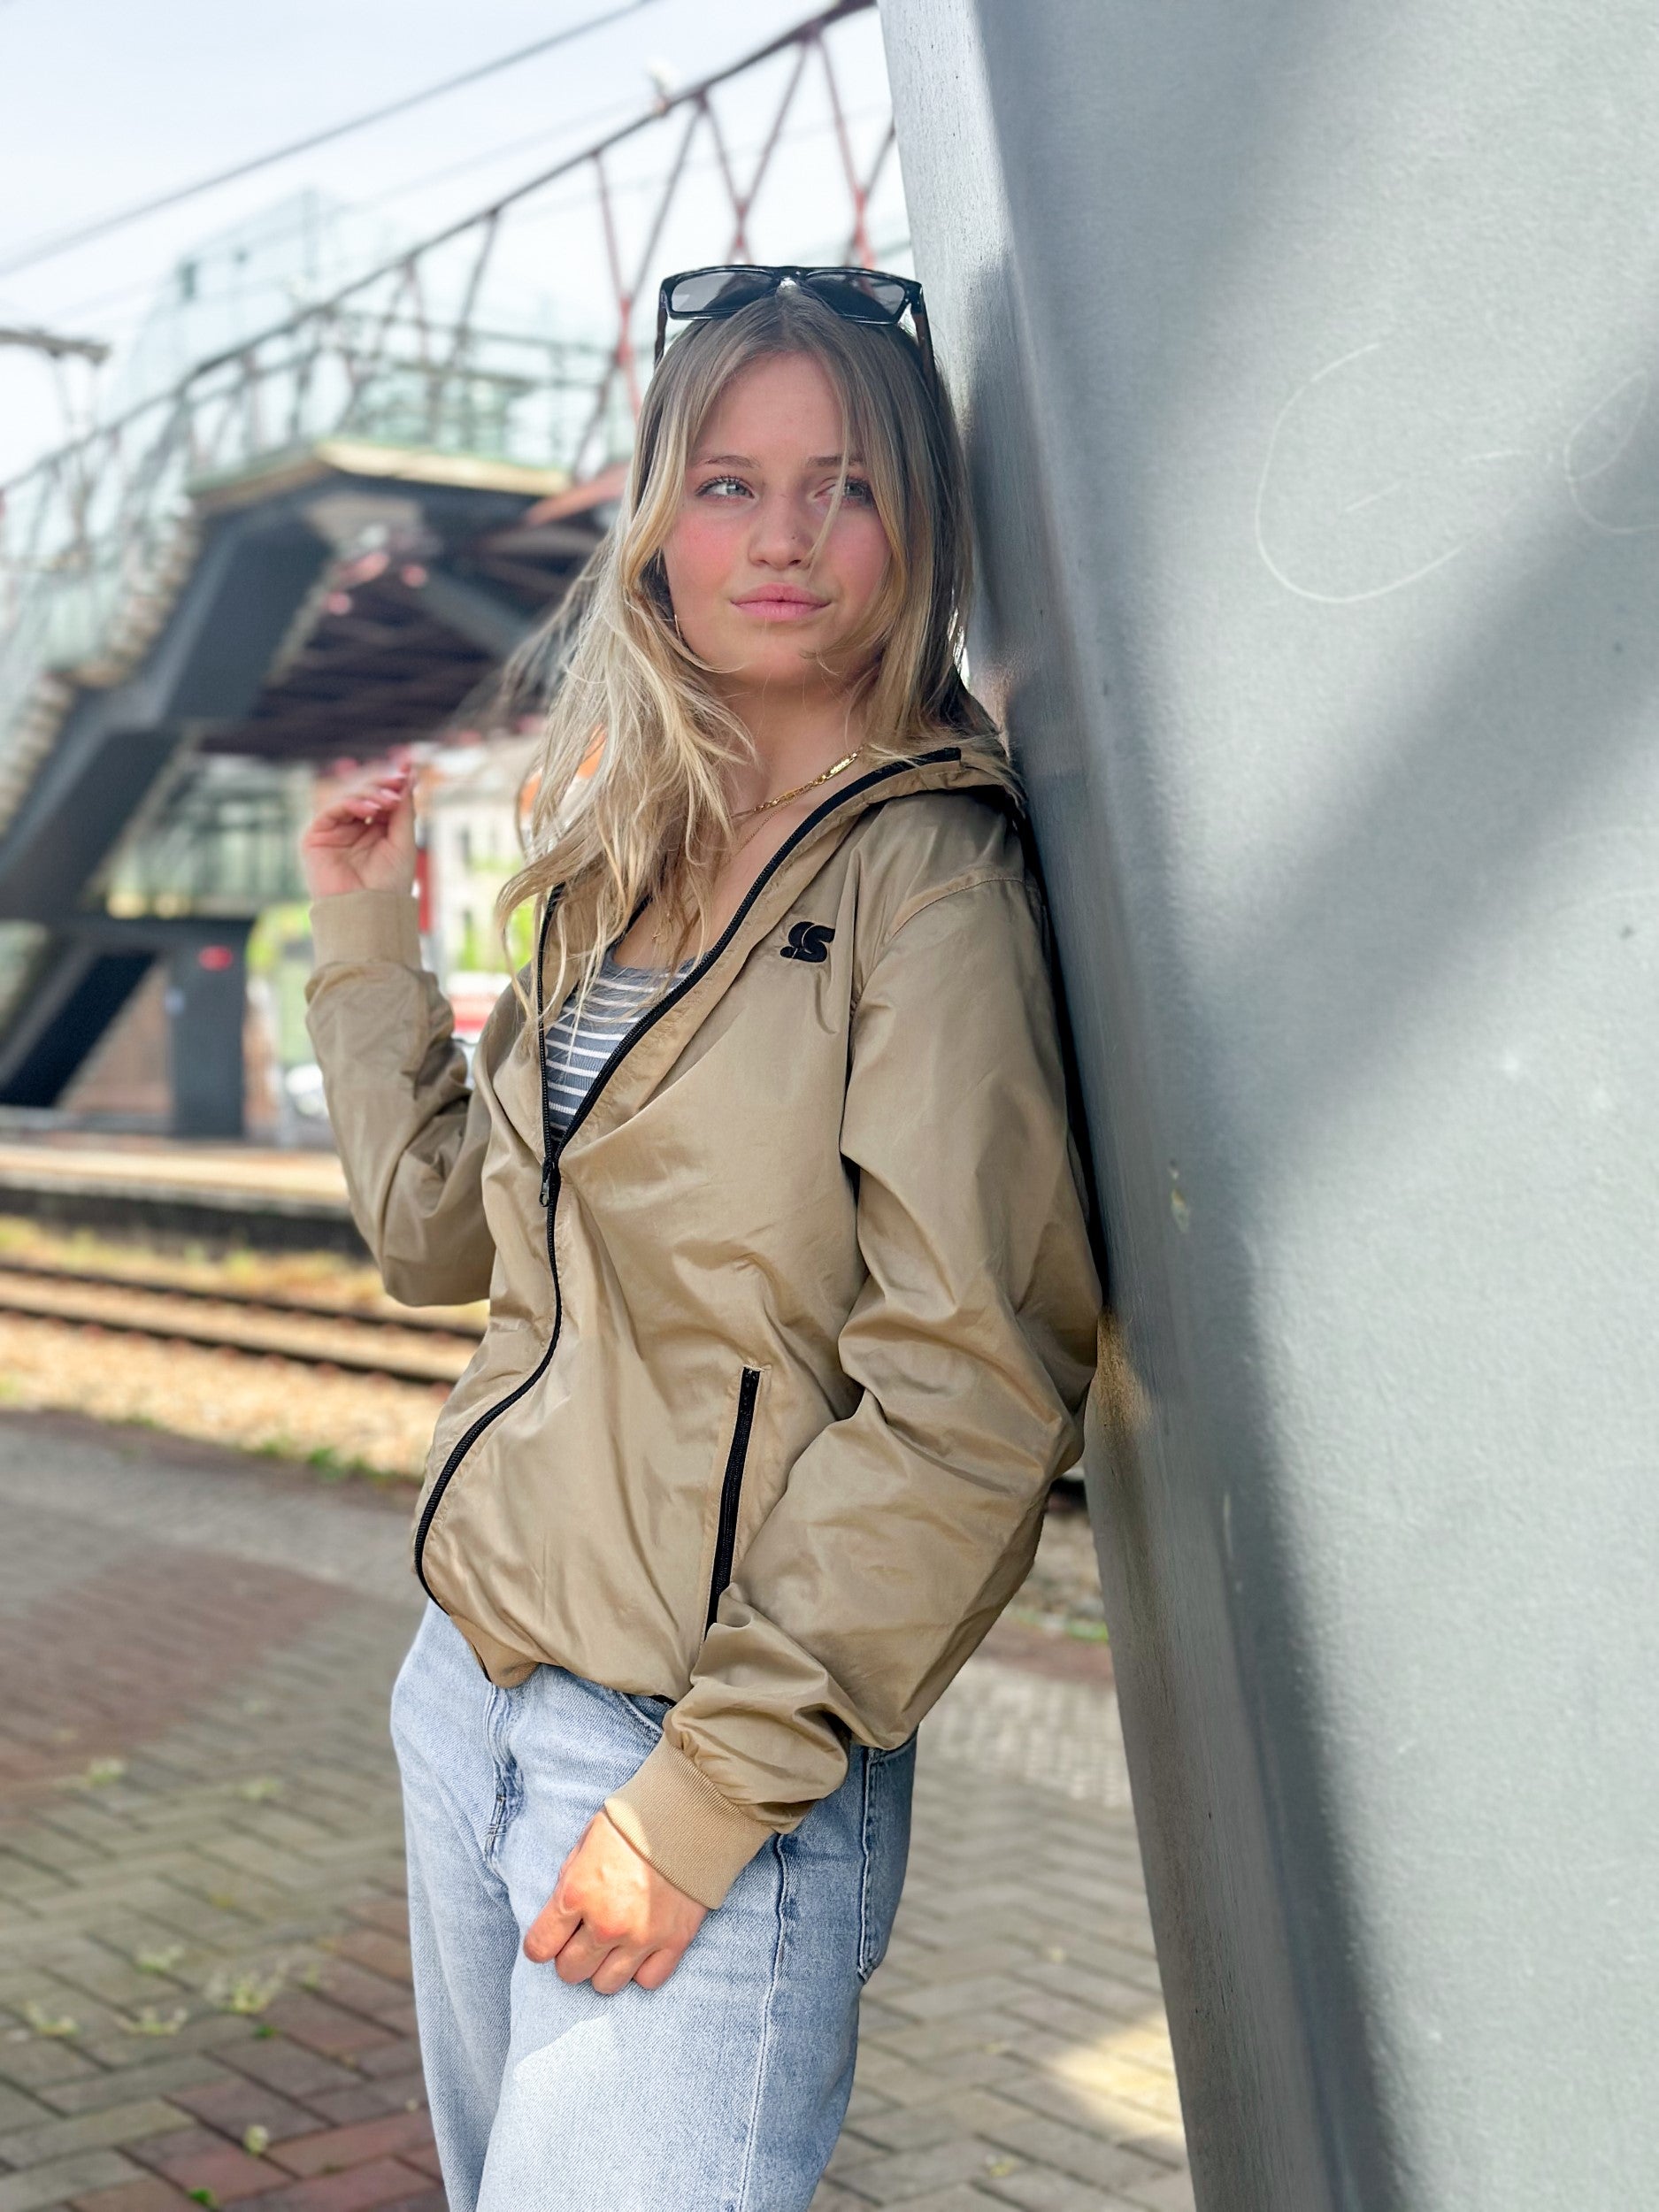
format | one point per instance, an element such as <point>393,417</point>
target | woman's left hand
<point>612,1918</point>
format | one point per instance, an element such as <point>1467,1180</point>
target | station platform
<point>163,1188</point>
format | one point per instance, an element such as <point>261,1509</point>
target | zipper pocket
<point>731,1491</point>
<point>447,1474</point>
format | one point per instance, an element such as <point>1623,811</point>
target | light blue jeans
<point>723,2091</point>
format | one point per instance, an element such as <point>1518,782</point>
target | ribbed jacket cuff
<point>682,1825</point>
<point>355,926</point>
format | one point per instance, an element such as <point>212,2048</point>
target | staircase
<point>330,534</point>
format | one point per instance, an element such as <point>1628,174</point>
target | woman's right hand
<point>362,838</point>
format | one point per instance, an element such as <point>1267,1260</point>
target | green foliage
<point>521,936</point>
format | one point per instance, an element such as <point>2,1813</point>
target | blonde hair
<point>629,802</point>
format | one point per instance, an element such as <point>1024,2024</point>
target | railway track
<point>413,1348</point>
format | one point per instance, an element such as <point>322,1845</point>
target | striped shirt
<point>576,1050</point>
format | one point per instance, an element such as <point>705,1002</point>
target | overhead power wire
<point>49,249</point>
<point>629,188</point>
<point>146,287</point>
<point>691,95</point>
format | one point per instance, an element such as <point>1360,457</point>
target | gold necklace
<point>811,783</point>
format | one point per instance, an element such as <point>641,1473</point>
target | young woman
<point>765,1167</point>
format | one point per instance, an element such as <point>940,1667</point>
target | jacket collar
<point>950,767</point>
<point>662,1036</point>
<point>655,1045</point>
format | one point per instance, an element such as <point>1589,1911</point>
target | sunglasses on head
<point>862,295</point>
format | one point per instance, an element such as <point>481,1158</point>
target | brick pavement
<point>203,1977</point>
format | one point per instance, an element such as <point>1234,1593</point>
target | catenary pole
<point>1306,353</point>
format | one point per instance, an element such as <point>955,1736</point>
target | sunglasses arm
<point>924,338</point>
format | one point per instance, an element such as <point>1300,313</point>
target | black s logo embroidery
<point>807,941</point>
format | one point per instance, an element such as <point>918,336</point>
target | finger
<point>581,1956</point>
<point>377,798</point>
<point>617,1969</point>
<point>655,1967</point>
<point>578,1958</point>
<point>346,803</point>
<point>548,1932</point>
<point>335,828</point>
<point>376,775</point>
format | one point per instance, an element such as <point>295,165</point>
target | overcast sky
<point>104,103</point>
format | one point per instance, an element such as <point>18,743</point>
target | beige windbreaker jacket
<point>786,1340</point>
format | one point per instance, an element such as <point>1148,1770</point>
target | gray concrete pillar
<point>1307,352</point>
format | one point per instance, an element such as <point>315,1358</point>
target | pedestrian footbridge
<point>330,536</point>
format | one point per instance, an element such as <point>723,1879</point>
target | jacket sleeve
<point>410,1132</point>
<point>903,1529</point>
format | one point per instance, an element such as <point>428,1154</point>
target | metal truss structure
<point>332,532</point>
<point>433,352</point>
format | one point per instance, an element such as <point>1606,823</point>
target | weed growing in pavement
<point>248,1992</point>
<point>150,2021</point>
<point>332,1465</point>
<point>44,2022</point>
<point>260,1787</point>
<point>160,1958</point>
<point>255,2141</point>
<point>323,1459</point>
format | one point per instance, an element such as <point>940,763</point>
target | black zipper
<point>550,1151</point>
<point>731,1491</point>
<point>548,1172</point>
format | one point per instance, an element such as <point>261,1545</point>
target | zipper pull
<point>547,1180</point>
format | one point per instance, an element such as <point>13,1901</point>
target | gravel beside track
<point>466,1321</point>
<point>372,1347</point>
<point>334,1420</point>
<point>320,1282</point>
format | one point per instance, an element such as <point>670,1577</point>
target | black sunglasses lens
<point>863,297</point>
<point>716,291</point>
